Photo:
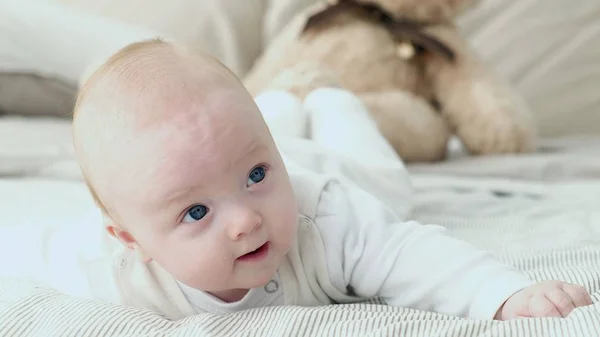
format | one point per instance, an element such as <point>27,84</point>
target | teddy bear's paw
<point>303,78</point>
<point>502,136</point>
<point>413,128</point>
<point>495,122</point>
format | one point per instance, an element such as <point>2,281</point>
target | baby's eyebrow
<point>248,150</point>
<point>172,196</point>
<point>254,147</point>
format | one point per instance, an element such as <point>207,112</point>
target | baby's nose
<point>243,221</point>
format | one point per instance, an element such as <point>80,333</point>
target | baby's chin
<point>240,289</point>
<point>260,281</point>
<point>259,277</point>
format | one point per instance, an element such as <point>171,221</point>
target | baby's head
<point>178,157</point>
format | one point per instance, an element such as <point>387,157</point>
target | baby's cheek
<point>287,224</point>
<point>203,266</point>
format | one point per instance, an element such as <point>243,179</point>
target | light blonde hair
<point>127,55</point>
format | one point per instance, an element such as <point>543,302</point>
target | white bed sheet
<point>558,159</point>
<point>39,180</point>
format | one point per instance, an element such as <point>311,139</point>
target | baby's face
<point>205,193</point>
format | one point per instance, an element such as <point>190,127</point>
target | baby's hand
<point>546,299</point>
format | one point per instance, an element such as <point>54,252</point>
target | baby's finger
<point>578,294</point>
<point>540,306</point>
<point>561,300</point>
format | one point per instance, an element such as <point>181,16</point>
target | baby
<point>191,183</point>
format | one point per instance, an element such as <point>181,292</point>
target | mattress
<point>537,212</point>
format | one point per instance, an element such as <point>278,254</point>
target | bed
<point>539,212</point>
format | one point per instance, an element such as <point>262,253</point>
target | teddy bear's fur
<point>418,102</point>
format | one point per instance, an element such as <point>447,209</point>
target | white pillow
<point>54,41</point>
<point>550,51</point>
<point>50,44</point>
<point>235,31</point>
<point>46,47</point>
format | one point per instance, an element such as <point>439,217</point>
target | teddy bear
<point>408,63</point>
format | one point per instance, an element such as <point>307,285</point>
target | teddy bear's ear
<point>460,6</point>
<point>425,11</point>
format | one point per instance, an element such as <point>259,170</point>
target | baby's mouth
<point>256,254</point>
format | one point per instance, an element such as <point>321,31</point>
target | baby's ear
<point>126,239</point>
<point>120,234</point>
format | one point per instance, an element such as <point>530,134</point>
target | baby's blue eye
<point>257,175</point>
<point>195,213</point>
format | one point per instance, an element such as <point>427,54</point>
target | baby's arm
<point>406,263</point>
